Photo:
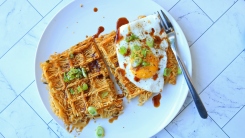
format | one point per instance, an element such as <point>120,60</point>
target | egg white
<point>139,27</point>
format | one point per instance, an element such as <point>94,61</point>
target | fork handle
<point>200,107</point>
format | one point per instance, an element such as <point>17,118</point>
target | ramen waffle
<point>68,101</point>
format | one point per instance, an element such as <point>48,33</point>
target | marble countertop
<point>215,30</point>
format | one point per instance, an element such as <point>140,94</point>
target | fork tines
<point>165,22</point>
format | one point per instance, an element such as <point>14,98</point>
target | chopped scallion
<point>166,72</point>
<point>150,42</point>
<point>85,87</point>
<point>100,132</point>
<point>72,91</point>
<point>104,94</point>
<point>71,55</point>
<point>144,52</point>
<point>144,63</point>
<point>79,89</point>
<point>179,71</point>
<point>137,61</point>
<point>92,110</point>
<point>131,37</point>
<point>135,48</point>
<point>72,74</point>
<point>123,50</point>
<point>65,78</point>
<point>84,73</point>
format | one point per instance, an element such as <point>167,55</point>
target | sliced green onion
<point>79,89</point>
<point>100,132</point>
<point>104,94</point>
<point>131,37</point>
<point>137,61</point>
<point>79,73</point>
<point>123,50</point>
<point>70,77</point>
<point>166,72</point>
<point>65,78</point>
<point>132,55</point>
<point>144,63</point>
<point>144,52</point>
<point>71,55</point>
<point>179,71</point>
<point>135,48</point>
<point>84,73</point>
<point>150,42</point>
<point>92,110</point>
<point>85,87</point>
<point>72,74</point>
<point>72,91</point>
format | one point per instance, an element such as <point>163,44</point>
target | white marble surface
<point>215,30</point>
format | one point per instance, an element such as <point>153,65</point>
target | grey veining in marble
<point>19,120</point>
<point>7,93</point>
<point>193,126</point>
<point>61,132</point>
<point>238,121</point>
<point>225,96</point>
<point>16,19</point>
<point>188,18</point>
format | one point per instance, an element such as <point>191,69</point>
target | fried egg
<point>141,51</point>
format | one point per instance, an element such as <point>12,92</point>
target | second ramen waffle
<point>78,79</point>
<point>106,45</point>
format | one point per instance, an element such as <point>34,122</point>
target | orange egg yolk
<point>145,72</point>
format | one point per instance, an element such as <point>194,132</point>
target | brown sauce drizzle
<point>121,21</point>
<point>128,52</point>
<point>118,36</point>
<point>144,41</point>
<point>125,65</point>
<point>160,57</point>
<point>156,100</point>
<point>95,9</point>
<point>100,30</point>
<point>152,32</point>
<point>136,79</point>
<point>155,77</point>
<point>162,30</point>
<point>111,120</point>
<point>157,40</point>
<point>120,96</point>
<point>122,71</point>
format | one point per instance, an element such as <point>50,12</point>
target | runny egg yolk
<point>145,72</point>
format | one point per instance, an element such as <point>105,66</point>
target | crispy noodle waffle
<point>107,47</point>
<point>72,108</point>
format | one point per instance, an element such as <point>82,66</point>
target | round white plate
<point>73,23</point>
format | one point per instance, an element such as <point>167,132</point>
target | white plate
<point>73,23</point>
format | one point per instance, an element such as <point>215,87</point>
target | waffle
<point>70,104</point>
<point>107,47</point>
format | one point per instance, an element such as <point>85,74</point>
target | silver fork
<point>169,29</point>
